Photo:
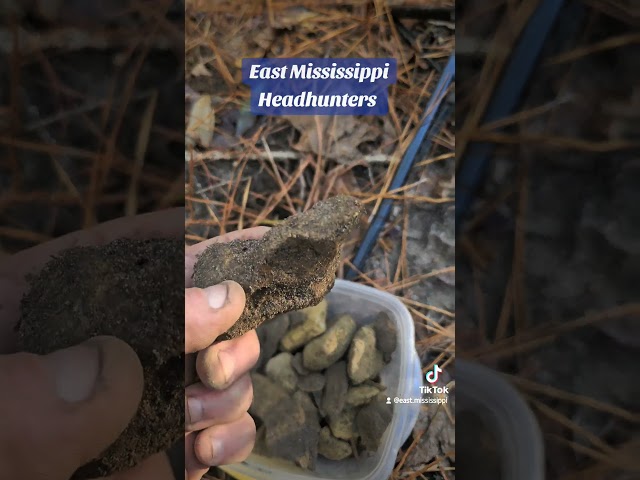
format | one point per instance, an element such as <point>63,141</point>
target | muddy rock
<point>335,391</point>
<point>292,267</point>
<point>332,448</point>
<point>267,395</point>
<point>283,438</point>
<point>270,333</point>
<point>297,317</point>
<point>311,430</point>
<point>314,323</point>
<point>290,422</point>
<point>311,411</point>
<point>314,382</point>
<point>114,290</point>
<point>325,350</point>
<point>361,394</point>
<point>372,421</point>
<point>280,371</point>
<point>317,400</point>
<point>386,335</point>
<point>365,360</point>
<point>343,425</point>
<point>292,431</point>
<point>298,366</point>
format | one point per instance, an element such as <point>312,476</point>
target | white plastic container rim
<point>361,299</point>
<point>485,392</point>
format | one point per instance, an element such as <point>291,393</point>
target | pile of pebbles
<point>317,387</point>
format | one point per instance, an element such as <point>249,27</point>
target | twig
<point>279,156</point>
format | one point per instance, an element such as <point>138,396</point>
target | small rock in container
<point>362,394</point>
<point>280,371</point>
<point>386,335</point>
<point>325,350</point>
<point>314,382</point>
<point>343,424</point>
<point>327,371</point>
<point>372,421</point>
<point>314,323</point>
<point>365,360</point>
<point>335,390</point>
<point>270,333</point>
<point>332,448</point>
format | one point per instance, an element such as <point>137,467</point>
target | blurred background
<point>548,168</point>
<point>91,114</point>
<point>91,120</point>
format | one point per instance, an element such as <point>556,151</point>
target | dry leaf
<point>340,135</point>
<point>200,70</point>
<point>201,122</point>
<point>292,17</point>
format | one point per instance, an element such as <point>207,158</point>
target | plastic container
<point>402,377</point>
<point>486,394</point>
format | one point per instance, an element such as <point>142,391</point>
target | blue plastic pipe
<point>422,138</point>
<point>506,98</point>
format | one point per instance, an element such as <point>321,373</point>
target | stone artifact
<point>292,267</point>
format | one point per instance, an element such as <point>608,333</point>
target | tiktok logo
<point>433,375</point>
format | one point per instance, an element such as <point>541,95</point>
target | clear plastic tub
<point>402,377</point>
<point>483,392</point>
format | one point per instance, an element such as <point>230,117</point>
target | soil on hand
<point>126,289</point>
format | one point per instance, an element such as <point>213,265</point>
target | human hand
<point>218,428</point>
<point>59,411</point>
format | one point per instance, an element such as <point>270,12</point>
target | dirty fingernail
<point>217,295</point>
<point>227,366</point>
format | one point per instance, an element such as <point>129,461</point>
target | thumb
<point>62,410</point>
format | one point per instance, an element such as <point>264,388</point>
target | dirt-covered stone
<point>279,370</point>
<point>314,382</point>
<point>298,366</point>
<point>270,333</point>
<point>292,267</point>
<point>291,422</point>
<point>386,335</point>
<point>365,360</point>
<point>313,322</point>
<point>362,394</point>
<point>343,424</point>
<point>266,396</point>
<point>297,317</point>
<point>372,421</point>
<point>311,430</point>
<point>332,448</point>
<point>125,289</point>
<point>335,391</point>
<point>328,348</point>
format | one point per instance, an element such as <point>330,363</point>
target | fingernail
<point>76,371</point>
<point>217,295</point>
<point>217,452</point>
<point>195,410</point>
<point>227,366</point>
